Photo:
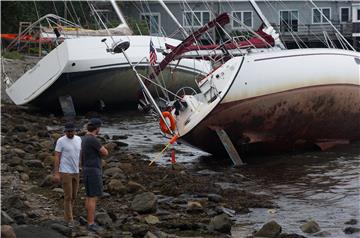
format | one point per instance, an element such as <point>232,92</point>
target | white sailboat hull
<point>282,99</point>
<point>81,68</point>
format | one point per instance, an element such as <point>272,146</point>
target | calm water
<point>323,186</point>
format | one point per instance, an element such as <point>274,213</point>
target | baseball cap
<point>95,122</point>
<point>69,126</point>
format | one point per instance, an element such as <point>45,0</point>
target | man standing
<point>92,151</point>
<point>66,165</point>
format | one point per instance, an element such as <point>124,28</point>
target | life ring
<point>167,115</point>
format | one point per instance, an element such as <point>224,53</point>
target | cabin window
<point>153,22</point>
<point>246,17</point>
<point>344,14</point>
<point>319,15</point>
<point>195,18</point>
<point>289,21</point>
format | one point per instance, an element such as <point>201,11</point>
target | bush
<point>12,55</point>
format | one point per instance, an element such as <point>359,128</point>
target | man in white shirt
<point>66,166</point>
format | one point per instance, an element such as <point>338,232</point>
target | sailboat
<point>266,101</point>
<point>81,73</point>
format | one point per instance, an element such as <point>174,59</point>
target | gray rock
<point>15,201</point>
<point>112,171</point>
<point>270,229</point>
<point>119,137</point>
<point>152,220</point>
<point>34,163</point>
<point>351,222</point>
<point>134,187</point>
<point>28,231</point>
<point>220,223</point>
<point>144,202</point>
<point>6,219</point>
<point>61,229</point>
<point>7,231</point>
<point>322,234</point>
<point>284,235</point>
<point>194,206</point>
<point>19,152</point>
<point>48,181</point>
<point>351,230</point>
<point>214,197</point>
<point>24,177</point>
<point>149,234</point>
<point>310,227</point>
<point>17,215</point>
<point>115,186</point>
<point>14,161</point>
<point>103,219</point>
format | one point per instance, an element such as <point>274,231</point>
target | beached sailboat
<point>81,72</point>
<point>268,100</point>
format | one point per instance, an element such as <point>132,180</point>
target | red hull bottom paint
<point>283,122</point>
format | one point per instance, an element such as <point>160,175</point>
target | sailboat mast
<point>118,12</point>
<point>173,17</point>
<point>259,13</point>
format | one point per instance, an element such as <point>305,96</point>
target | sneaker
<point>94,227</point>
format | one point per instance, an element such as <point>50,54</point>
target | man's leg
<point>67,186</point>
<point>75,188</point>
<point>90,204</point>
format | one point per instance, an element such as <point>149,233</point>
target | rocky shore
<point>139,201</point>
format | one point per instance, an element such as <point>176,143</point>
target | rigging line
<point>67,10</point>
<point>55,7</point>
<point>82,11</point>
<point>247,27</point>
<point>311,1</point>
<point>93,14</point>
<point>289,28</point>
<point>77,18</point>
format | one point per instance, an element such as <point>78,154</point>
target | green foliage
<point>12,55</point>
<point>139,27</point>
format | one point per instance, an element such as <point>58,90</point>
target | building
<point>299,22</point>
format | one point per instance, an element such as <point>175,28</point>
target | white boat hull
<point>81,68</point>
<point>283,100</point>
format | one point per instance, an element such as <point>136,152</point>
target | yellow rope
<point>160,154</point>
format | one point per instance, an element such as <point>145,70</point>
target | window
<point>246,17</point>
<point>358,14</point>
<point>344,14</point>
<point>153,22</point>
<point>196,18</point>
<point>318,15</point>
<point>289,20</point>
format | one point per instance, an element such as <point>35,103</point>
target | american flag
<point>153,56</point>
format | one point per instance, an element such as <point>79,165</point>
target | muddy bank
<point>138,199</point>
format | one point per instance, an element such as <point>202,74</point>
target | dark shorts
<point>93,185</point>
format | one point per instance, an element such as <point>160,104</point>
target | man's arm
<point>56,177</point>
<point>103,151</point>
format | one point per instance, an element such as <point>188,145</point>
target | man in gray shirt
<point>91,152</point>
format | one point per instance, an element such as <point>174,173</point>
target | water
<point>323,186</point>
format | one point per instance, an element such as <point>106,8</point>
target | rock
<point>220,223</point>
<point>152,220</point>
<point>127,167</point>
<point>21,168</point>
<point>19,152</point>
<point>116,187</point>
<point>48,181</point>
<point>103,219</point>
<point>43,155</point>
<point>20,128</point>
<point>121,144</point>
<point>24,177</point>
<point>193,206</point>
<point>34,163</point>
<point>284,235</point>
<point>111,146</point>
<point>49,160</point>
<point>322,234</point>
<point>310,227</point>
<point>351,230</point>
<point>15,201</point>
<point>66,231</point>
<point>150,235</point>
<point>134,187</point>
<point>351,222</point>
<point>17,215</point>
<point>46,144</point>
<point>36,231</point>
<point>112,171</point>
<point>15,161</point>
<point>7,231</point>
<point>144,202</point>
<point>270,229</point>
<point>6,219</point>
<point>58,190</point>
<point>119,137</point>
<point>214,197</point>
